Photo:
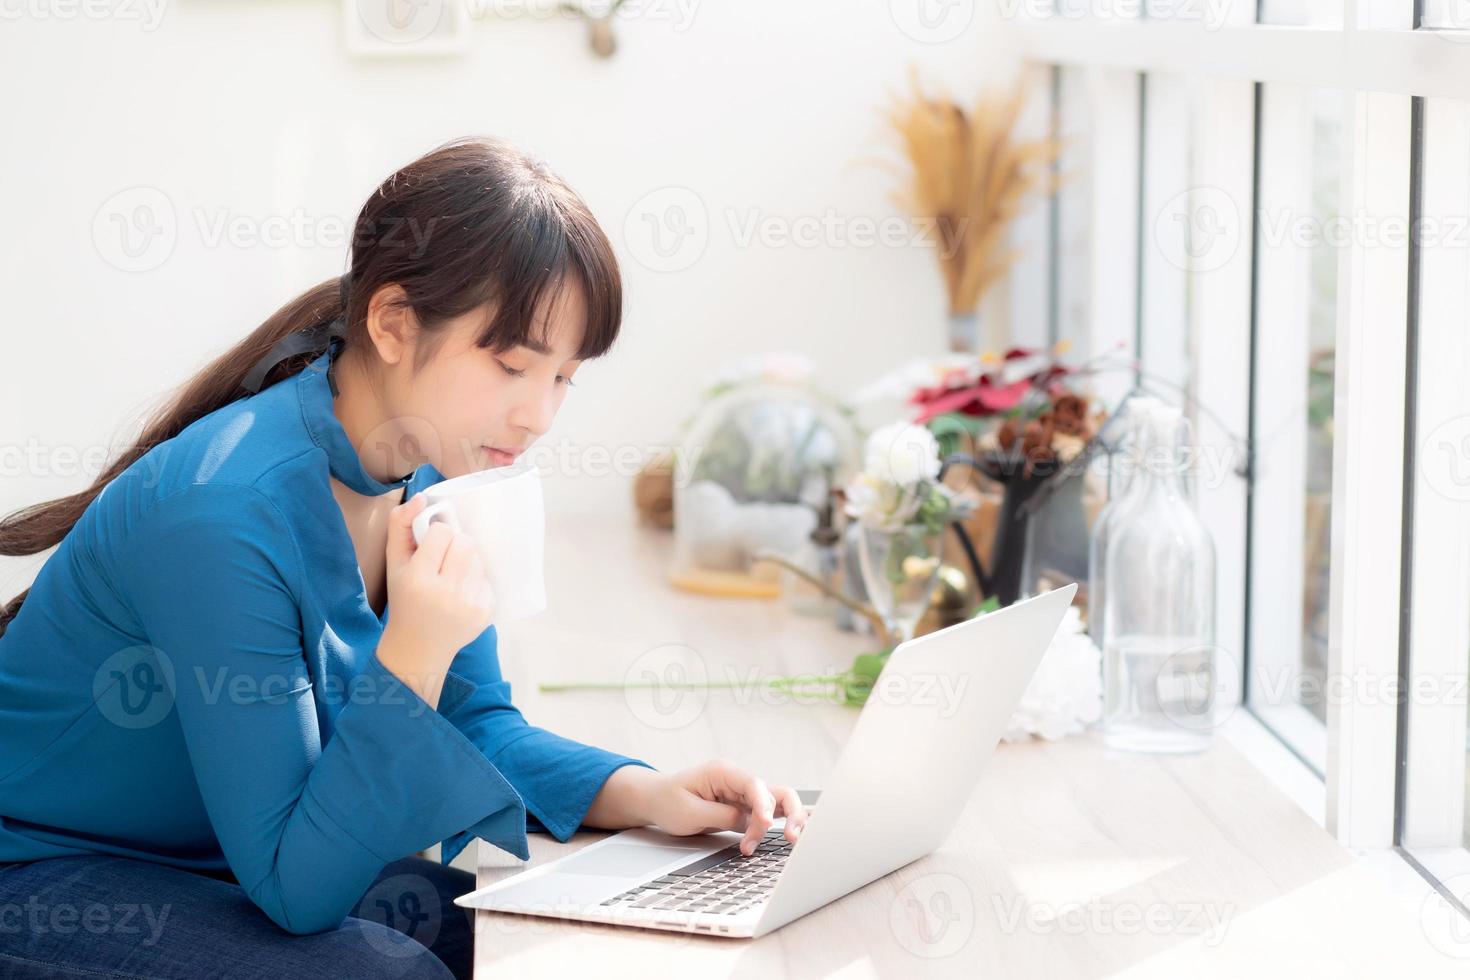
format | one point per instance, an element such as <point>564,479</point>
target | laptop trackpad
<point>622,860</point>
<point>587,878</point>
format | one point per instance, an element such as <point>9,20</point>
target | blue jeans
<point>101,916</point>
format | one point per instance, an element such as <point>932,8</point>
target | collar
<point>315,389</point>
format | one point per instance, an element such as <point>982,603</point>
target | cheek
<point>466,412</point>
<point>474,412</point>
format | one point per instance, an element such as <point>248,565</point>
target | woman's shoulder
<point>250,443</point>
<point>233,472</point>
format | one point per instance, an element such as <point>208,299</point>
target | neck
<point>368,426</point>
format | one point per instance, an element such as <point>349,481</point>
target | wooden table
<point>1071,860</point>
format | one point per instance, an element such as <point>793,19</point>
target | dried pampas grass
<point>970,175</point>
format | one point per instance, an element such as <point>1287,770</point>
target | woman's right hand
<point>439,598</point>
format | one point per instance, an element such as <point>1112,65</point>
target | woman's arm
<point>625,800</point>
<point>558,778</point>
<point>566,784</point>
<point>213,577</point>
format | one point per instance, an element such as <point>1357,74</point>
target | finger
<point>459,558</point>
<point>762,811</point>
<point>400,530</point>
<point>788,804</point>
<point>729,781</point>
<point>714,815</point>
<point>435,545</point>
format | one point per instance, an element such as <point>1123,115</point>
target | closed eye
<point>516,373</point>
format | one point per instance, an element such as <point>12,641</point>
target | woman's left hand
<point>719,795</point>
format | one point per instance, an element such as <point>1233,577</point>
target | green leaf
<point>991,604</point>
<point>862,675</point>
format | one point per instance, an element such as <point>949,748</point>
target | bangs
<point>552,249</point>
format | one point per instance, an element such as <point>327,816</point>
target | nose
<point>534,412</point>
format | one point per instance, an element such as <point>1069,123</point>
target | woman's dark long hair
<point>477,222</point>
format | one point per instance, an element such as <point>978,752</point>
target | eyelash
<point>521,374</point>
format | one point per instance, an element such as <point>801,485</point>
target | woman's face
<point>470,408</point>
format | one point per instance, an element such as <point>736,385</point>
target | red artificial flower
<point>984,397</point>
<point>987,394</point>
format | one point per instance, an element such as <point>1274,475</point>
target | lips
<point>502,457</point>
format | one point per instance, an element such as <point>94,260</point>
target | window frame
<point>1382,66</point>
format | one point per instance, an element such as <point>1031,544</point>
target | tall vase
<point>1008,552</point>
<point>964,331</point>
<point>900,568</point>
<point>1056,534</point>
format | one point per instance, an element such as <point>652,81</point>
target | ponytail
<point>33,529</point>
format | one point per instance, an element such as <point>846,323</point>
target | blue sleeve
<point>556,777</point>
<point>215,574</point>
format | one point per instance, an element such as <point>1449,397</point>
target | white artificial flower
<point>902,453</point>
<point>1067,447</point>
<point>880,503</point>
<point>1065,693</point>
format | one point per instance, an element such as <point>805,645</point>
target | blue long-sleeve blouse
<point>193,680</point>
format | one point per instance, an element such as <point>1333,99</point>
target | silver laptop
<point>913,760</point>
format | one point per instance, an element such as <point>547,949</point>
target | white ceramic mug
<point>503,512</point>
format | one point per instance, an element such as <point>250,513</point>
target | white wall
<point>256,111</point>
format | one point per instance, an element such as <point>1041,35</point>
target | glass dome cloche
<point>754,469</point>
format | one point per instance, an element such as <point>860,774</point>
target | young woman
<point>238,698</point>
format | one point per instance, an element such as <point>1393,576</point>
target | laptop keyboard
<point>724,883</point>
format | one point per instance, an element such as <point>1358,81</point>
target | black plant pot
<point>1008,551</point>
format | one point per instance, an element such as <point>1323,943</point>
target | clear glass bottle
<point>1159,603</point>
<point>1122,464</point>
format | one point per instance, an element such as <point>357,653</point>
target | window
<point>1074,213</point>
<point>1244,225</point>
<point>1298,237</point>
<point>1433,822</point>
